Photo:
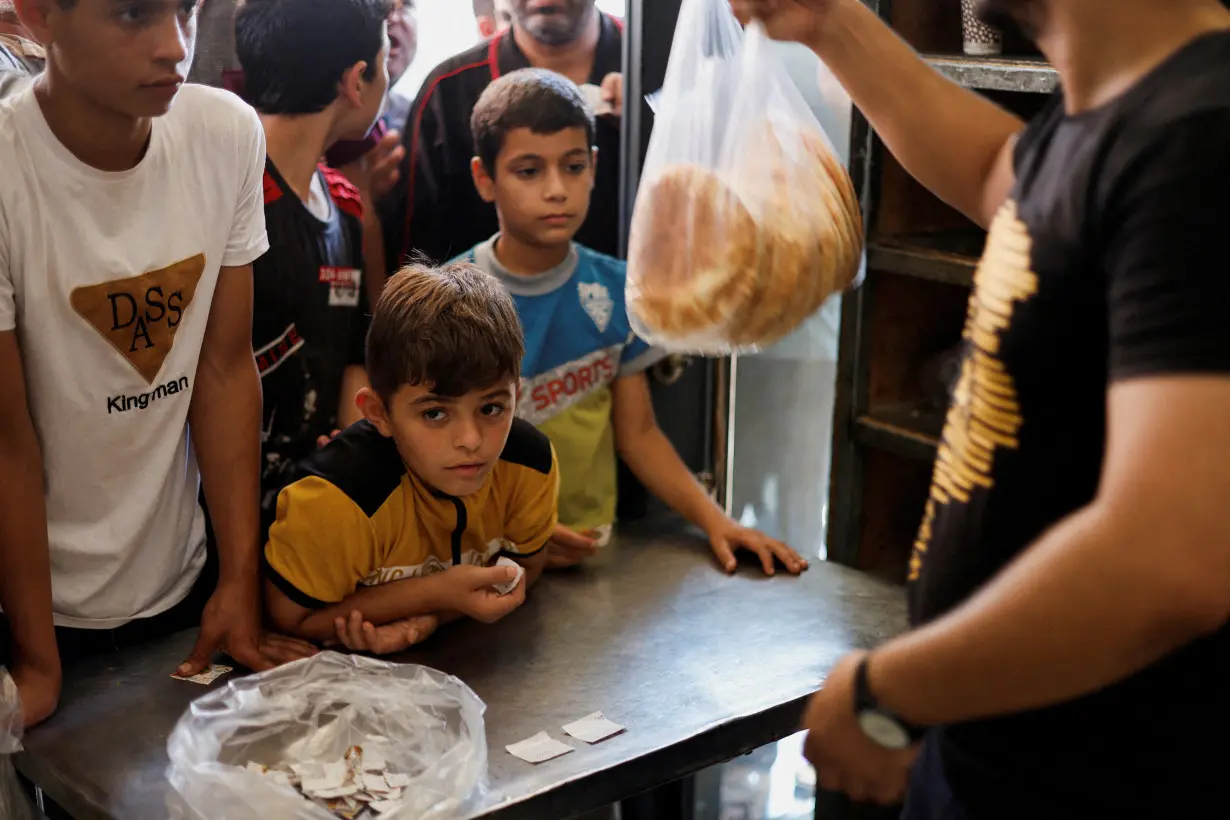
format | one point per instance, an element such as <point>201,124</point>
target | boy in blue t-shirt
<point>583,377</point>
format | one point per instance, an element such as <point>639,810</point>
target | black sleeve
<point>409,212</point>
<point>1167,220</point>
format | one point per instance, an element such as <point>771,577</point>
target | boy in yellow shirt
<point>393,527</point>
<point>583,376</point>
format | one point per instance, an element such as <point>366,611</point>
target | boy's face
<point>128,57</point>
<point>452,444</point>
<point>541,186</point>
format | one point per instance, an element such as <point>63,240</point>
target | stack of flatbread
<point>739,258</point>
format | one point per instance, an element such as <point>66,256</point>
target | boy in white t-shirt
<point>130,215</point>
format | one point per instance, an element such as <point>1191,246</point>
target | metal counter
<point>699,666</point>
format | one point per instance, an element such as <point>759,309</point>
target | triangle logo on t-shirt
<point>140,315</point>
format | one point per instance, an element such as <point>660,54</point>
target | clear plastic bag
<point>745,221</point>
<point>428,725</point>
<point>14,803</point>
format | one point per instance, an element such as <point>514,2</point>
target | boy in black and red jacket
<point>316,72</point>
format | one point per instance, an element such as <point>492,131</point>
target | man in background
<point>21,57</point>
<point>434,208</point>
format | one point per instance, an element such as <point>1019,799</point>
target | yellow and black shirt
<point>357,516</point>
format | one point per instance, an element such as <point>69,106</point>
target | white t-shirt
<point>108,279</point>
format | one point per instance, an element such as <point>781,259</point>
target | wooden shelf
<point>1025,75</point>
<point>907,430</point>
<point>944,256</point>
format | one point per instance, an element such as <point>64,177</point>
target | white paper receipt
<point>538,748</point>
<point>593,728</point>
<point>209,675</point>
<point>506,589</point>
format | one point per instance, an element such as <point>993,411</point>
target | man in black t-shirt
<point>1070,582</point>
<point>434,208</point>
<point>315,70</point>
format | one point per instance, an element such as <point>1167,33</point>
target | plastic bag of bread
<point>745,219</point>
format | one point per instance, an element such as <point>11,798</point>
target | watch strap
<point>865,700</point>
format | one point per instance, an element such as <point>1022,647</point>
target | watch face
<point>883,730</point>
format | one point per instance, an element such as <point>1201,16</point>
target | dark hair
<point>454,329</point>
<point>294,52</point>
<point>533,98</point>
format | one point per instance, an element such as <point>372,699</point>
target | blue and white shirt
<point>578,340</point>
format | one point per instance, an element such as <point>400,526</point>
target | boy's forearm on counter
<point>380,604</point>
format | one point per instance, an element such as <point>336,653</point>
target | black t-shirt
<point>309,322</point>
<point>434,208</point>
<point>1108,262</point>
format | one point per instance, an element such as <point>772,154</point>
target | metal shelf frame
<point>1029,76</point>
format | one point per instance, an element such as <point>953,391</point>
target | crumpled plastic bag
<point>745,219</point>
<point>14,803</point>
<point>313,710</point>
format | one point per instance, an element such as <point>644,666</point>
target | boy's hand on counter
<point>359,635</point>
<point>568,548</point>
<point>726,537</point>
<point>471,591</point>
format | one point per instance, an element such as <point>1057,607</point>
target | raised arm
<point>955,142</point>
<point>25,566</point>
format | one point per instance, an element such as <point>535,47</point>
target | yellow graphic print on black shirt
<point>985,412</point>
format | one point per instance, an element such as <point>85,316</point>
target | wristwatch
<point>881,725</point>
